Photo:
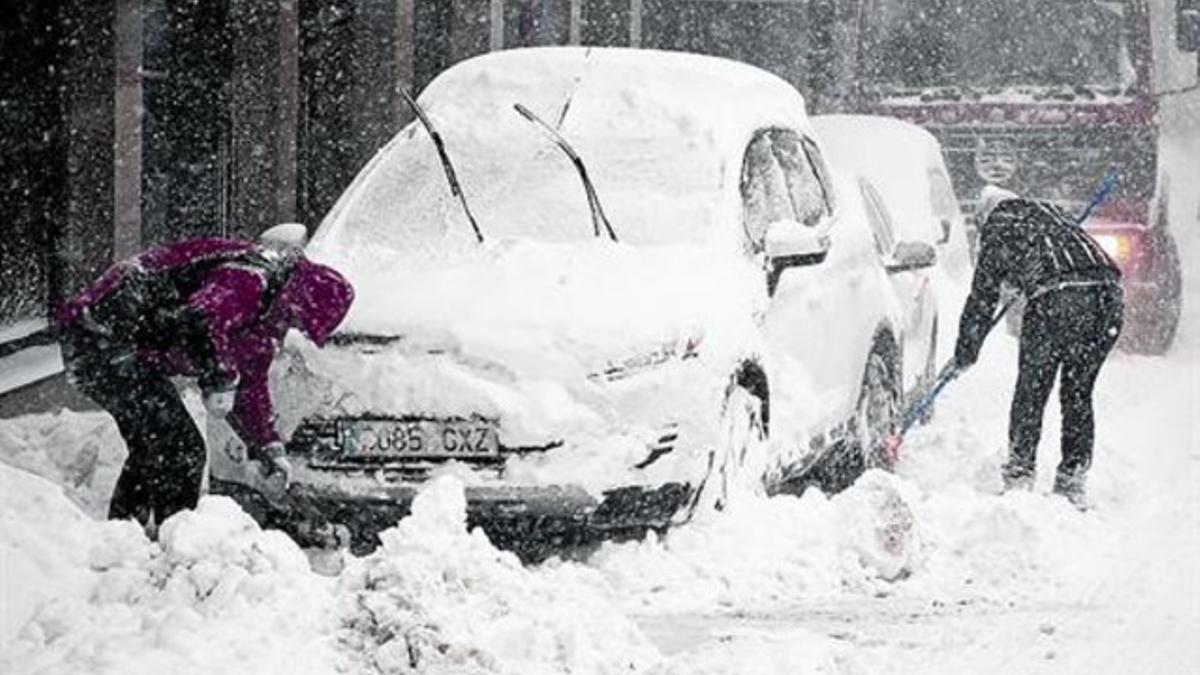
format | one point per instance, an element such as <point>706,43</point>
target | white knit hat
<point>989,198</point>
<point>285,237</point>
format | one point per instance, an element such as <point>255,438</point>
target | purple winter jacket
<point>240,297</point>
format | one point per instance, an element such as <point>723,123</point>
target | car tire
<point>738,463</point>
<point>877,414</point>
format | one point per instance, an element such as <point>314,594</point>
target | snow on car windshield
<point>653,158</point>
<point>662,135</point>
<point>914,44</point>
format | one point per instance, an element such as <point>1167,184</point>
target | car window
<point>881,223</point>
<point>809,196</point>
<point>765,197</point>
<point>783,178</point>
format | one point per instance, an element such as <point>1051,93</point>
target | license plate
<point>418,439</point>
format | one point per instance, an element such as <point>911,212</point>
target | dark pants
<point>1071,331</point>
<point>165,465</point>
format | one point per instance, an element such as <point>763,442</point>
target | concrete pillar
<point>496,25</point>
<point>127,164</point>
<point>574,33</point>
<point>635,23</point>
<point>287,111</point>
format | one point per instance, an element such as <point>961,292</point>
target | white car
<point>913,196</point>
<point>706,316</point>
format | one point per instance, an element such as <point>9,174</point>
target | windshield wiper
<point>451,178</point>
<point>598,217</point>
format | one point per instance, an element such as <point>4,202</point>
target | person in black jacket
<point>1073,315</point>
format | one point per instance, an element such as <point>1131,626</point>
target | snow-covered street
<point>537,345</point>
<point>983,583</point>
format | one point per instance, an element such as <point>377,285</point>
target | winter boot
<point>1072,487</point>
<point>1016,478</point>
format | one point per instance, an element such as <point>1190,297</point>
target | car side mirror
<point>911,255</point>
<point>1187,25</point>
<point>790,244</point>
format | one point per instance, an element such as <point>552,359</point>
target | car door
<point>912,287</point>
<point>814,334</point>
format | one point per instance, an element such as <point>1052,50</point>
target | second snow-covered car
<point>626,291</point>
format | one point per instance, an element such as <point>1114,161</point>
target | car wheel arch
<point>751,376</point>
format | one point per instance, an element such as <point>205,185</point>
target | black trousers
<point>164,469</point>
<point>1069,331</point>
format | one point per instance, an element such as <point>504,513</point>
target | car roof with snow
<point>662,135</point>
<point>892,154</point>
<point>620,92</point>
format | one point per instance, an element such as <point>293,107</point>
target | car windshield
<point>655,189</point>
<point>918,44</point>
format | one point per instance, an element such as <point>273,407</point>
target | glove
<point>219,403</point>
<point>273,459</point>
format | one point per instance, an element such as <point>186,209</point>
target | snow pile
<point>1015,546</point>
<point>215,594</point>
<point>437,599</point>
<point>37,561</point>
<point>82,452</point>
<point>767,553</point>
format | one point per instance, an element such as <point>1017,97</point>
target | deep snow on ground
<point>968,581</point>
<point>982,583</point>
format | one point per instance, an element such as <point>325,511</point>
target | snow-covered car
<point>907,166</point>
<point>644,294</point>
<point>909,191</point>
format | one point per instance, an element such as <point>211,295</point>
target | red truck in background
<point>1044,97</point>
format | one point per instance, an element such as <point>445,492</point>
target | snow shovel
<point>949,371</point>
<point>913,413</point>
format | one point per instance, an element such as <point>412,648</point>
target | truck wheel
<point>1159,335</point>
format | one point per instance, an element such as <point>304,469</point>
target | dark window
<point>187,61</point>
<point>532,23</point>
<point>606,23</point>
<point>33,163</point>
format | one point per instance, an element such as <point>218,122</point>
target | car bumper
<point>533,522</point>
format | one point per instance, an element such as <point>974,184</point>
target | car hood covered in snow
<point>586,343</point>
<point>549,310</point>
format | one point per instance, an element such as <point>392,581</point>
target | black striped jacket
<point>1036,248</point>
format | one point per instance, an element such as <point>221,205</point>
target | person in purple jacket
<point>213,309</point>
